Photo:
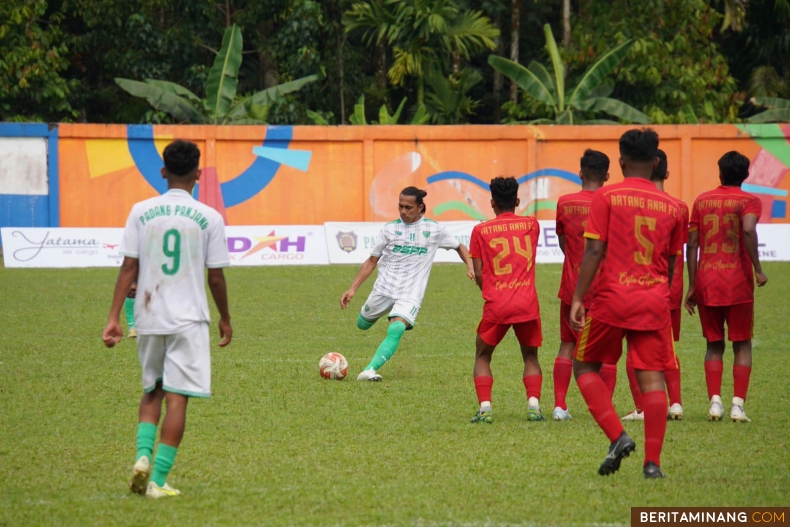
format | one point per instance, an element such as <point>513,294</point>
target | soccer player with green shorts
<point>128,305</point>
<point>404,254</point>
<point>168,242</point>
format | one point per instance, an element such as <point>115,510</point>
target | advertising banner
<point>66,247</point>
<point>277,245</point>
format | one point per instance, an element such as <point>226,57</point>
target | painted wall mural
<point>281,175</point>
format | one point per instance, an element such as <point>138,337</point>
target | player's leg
<point>600,342</point>
<point>563,365</point>
<point>712,321</point>
<point>672,376</point>
<point>608,375</point>
<point>173,427</point>
<point>530,337</point>
<point>489,335</point>
<point>638,412</point>
<point>397,327</point>
<point>128,305</point>
<point>651,353</point>
<point>375,306</point>
<point>740,321</point>
<point>151,352</point>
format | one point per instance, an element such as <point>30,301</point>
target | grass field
<point>277,445</point>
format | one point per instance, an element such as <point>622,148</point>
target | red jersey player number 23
<point>507,246</point>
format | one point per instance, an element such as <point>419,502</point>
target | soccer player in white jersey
<point>167,243</point>
<point>404,254</point>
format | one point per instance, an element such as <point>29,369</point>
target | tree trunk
<point>421,89</point>
<point>341,74</point>
<point>515,26</point>
<point>498,77</point>
<point>381,69</point>
<point>566,23</point>
<point>227,13</point>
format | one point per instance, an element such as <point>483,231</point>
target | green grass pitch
<point>278,445</point>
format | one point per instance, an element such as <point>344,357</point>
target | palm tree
<point>221,105</point>
<point>420,33</point>
<point>778,110</point>
<point>589,96</point>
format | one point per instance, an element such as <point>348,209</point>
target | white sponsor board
<point>773,242</point>
<point>352,242</point>
<point>61,247</point>
<point>277,245</point>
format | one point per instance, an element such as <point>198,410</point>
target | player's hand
<point>112,333</point>
<point>470,272</point>
<point>225,332</point>
<point>761,278</point>
<point>345,300</point>
<point>577,315</point>
<point>690,302</point>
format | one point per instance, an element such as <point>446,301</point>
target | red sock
<point>713,372</point>
<point>563,369</point>
<point>634,385</point>
<point>655,424</point>
<point>483,386</point>
<point>672,378</point>
<point>600,404</point>
<point>533,383</point>
<point>608,375</point>
<point>740,378</point>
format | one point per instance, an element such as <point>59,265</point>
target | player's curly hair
<point>181,157</point>
<point>639,145</point>
<point>594,165</point>
<point>660,172</point>
<point>504,192</point>
<point>418,195</point>
<point>734,168</point>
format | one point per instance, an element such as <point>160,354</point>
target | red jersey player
<point>641,231</point>
<point>503,256</point>
<point>671,376</point>
<point>720,278</point>
<point>572,211</point>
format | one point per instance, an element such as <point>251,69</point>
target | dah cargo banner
<point>352,242</point>
<point>277,245</point>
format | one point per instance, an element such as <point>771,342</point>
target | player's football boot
<point>716,409</point>
<point>141,473</point>
<point>737,414</point>
<point>369,375</point>
<point>619,449</point>
<point>634,416</point>
<point>652,471</point>
<point>534,414</point>
<point>561,415</point>
<point>165,491</point>
<point>483,417</point>
<point>675,413</point>
<point>132,333</point>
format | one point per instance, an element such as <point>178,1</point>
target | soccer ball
<point>333,366</point>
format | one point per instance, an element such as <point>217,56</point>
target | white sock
<point>715,399</point>
<point>533,402</point>
<point>737,401</point>
<point>485,406</point>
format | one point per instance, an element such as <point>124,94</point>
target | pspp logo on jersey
<point>262,247</point>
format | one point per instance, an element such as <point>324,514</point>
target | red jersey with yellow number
<point>642,227</point>
<point>572,212</point>
<point>507,246</point>
<point>724,271</point>
<point>676,289</point>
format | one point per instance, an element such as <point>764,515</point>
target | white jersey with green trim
<point>407,251</point>
<point>174,237</point>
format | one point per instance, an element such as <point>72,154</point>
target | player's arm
<point>692,259</point>
<point>561,238</point>
<point>477,264</point>
<point>672,260</point>
<point>219,291</point>
<point>750,241</point>
<point>364,272</point>
<point>463,252</point>
<point>593,253</point>
<point>126,277</point>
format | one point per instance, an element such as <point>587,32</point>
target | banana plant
<point>222,105</point>
<point>778,110</point>
<point>571,105</point>
<point>358,117</point>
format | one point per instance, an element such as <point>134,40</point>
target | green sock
<point>128,304</point>
<point>363,323</point>
<point>165,456</point>
<point>389,346</point>
<point>146,435</point>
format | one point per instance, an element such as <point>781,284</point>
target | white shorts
<point>182,361</point>
<point>376,305</point>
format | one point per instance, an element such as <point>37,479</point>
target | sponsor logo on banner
<point>276,245</point>
<point>42,247</point>
<point>347,241</point>
<point>268,247</point>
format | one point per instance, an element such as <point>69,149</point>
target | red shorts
<point>567,333</point>
<point>647,350</point>
<point>675,314</point>
<point>739,318</point>
<point>528,333</point>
